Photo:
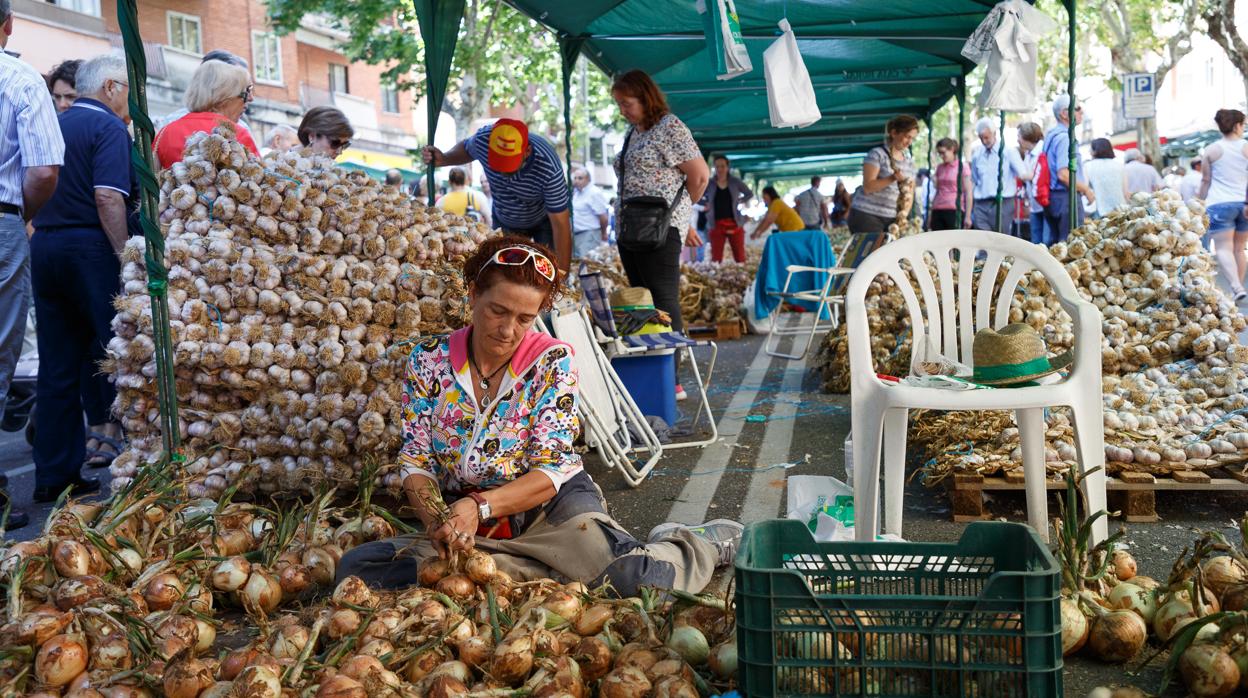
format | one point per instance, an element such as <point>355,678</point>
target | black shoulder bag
<point>644,220</point>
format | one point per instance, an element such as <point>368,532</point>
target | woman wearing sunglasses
<point>219,93</point>
<point>326,130</point>
<point>488,420</point>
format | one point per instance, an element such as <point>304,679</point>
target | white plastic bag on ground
<point>790,96</point>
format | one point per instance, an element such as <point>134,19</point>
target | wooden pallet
<point>1133,494</point>
<point>719,332</point>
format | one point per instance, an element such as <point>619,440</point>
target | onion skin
<point>258,681</point>
<point>562,604</point>
<point>163,591</point>
<point>1221,573</point>
<point>594,657</point>
<point>723,660</point>
<point>360,666</point>
<point>1123,564</point>
<point>445,687</point>
<point>690,643</point>
<point>1208,671</point>
<point>186,679</point>
<point>262,592</point>
<point>1235,598</point>
<point>40,624</point>
<point>76,591</point>
<point>624,682</point>
<point>673,687</point>
<point>231,574</point>
<point>513,660</point>
<point>1132,598</point>
<point>1168,617</point>
<point>592,620</point>
<point>1117,636</point>
<point>431,570</point>
<point>352,590</point>
<point>60,660</point>
<point>457,586</point>
<point>110,653</point>
<point>294,579</point>
<point>342,622</point>
<point>480,567</point>
<point>321,564</point>
<point>71,558</point>
<point>1075,627</point>
<point>475,651</point>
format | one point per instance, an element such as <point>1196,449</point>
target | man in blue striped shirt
<point>526,180</point>
<point>31,153</point>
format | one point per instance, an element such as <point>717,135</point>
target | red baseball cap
<point>509,141</point>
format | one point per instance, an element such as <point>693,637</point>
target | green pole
<point>961,132</point>
<point>1071,191</point>
<point>567,132</point>
<point>149,195</point>
<point>1000,170</point>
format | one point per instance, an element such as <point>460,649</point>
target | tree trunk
<point>1148,140</point>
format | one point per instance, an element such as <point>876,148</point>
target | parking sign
<point>1139,96</point>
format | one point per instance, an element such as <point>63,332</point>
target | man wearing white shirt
<point>589,214</point>
<point>31,154</point>
<point>984,167</point>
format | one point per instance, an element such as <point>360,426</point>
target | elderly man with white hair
<point>1057,152</point>
<point>1141,176</point>
<point>985,165</point>
<point>76,271</point>
<point>282,137</point>
<point>589,214</point>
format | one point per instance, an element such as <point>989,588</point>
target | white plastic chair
<point>949,322</point>
<point>614,425</point>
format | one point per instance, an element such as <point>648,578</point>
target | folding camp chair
<point>828,298</point>
<point>613,423</point>
<point>650,345</point>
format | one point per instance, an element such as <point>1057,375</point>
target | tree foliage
<point>1219,15</point>
<point>502,59</point>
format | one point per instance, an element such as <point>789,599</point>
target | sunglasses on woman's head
<point>517,256</point>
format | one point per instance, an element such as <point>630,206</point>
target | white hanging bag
<point>790,96</point>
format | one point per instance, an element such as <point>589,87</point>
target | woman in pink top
<point>944,206</point>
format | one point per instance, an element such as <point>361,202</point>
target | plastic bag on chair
<point>790,96</point>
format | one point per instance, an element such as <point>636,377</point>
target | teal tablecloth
<point>809,248</point>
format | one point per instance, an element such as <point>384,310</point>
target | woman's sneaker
<point>725,535</point>
<point>1240,296</point>
<point>680,392</point>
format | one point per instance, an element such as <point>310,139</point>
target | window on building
<point>266,57</point>
<point>338,78</point>
<point>389,98</point>
<point>184,32</point>
<point>87,7</point>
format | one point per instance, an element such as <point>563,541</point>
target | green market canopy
<point>868,61</point>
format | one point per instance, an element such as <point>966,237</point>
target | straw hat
<point>632,297</point>
<point>1014,354</point>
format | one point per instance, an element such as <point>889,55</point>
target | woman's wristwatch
<point>483,507</point>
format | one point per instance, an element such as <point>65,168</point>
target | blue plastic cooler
<point>651,381</point>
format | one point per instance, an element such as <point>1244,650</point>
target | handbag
<point>644,220</point>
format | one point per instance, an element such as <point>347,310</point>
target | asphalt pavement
<point>775,422</point>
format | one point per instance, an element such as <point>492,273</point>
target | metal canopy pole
<point>1000,170</point>
<point>1071,191</point>
<point>961,133</point>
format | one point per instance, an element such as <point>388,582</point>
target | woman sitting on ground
<point>489,416</point>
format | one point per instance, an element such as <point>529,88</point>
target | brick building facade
<point>292,73</point>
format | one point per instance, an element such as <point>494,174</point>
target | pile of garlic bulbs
<point>1173,366</point>
<point>295,291</point>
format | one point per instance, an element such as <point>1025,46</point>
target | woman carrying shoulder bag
<point>660,171</point>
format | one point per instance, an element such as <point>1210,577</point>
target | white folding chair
<point>829,297</point>
<point>947,316</point>
<point>603,326</point>
<point>614,425</point>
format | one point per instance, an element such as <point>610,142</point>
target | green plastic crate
<point>974,618</point>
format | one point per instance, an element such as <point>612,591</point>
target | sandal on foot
<point>101,457</point>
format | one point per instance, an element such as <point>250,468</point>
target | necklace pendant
<point>485,384</point>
